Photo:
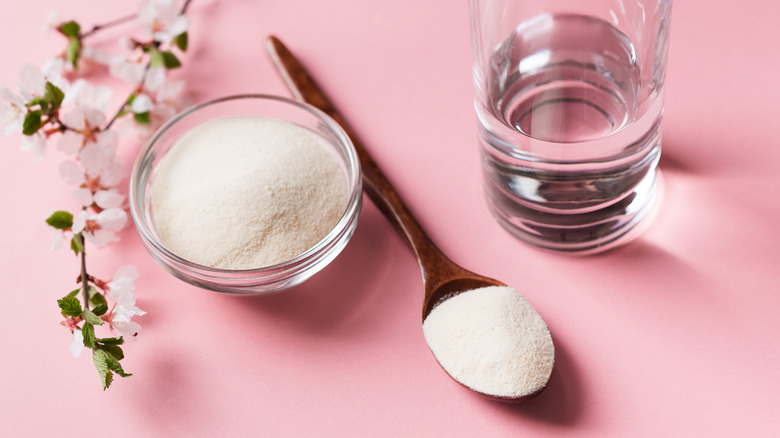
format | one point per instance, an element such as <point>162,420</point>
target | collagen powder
<point>493,341</point>
<point>246,192</point>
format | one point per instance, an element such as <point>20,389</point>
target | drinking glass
<point>569,99</point>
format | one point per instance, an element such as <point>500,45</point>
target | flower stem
<point>111,23</point>
<point>84,276</point>
<point>124,105</point>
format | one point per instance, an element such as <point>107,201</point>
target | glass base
<point>581,233</point>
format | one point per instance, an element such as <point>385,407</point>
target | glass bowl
<point>266,279</point>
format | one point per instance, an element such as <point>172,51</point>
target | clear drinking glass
<point>569,97</point>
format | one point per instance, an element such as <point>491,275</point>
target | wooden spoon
<point>442,278</point>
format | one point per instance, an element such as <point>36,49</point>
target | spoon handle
<point>376,185</point>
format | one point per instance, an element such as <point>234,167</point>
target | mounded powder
<point>493,341</point>
<point>246,192</point>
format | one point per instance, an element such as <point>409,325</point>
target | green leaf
<point>88,331</point>
<point>99,358</point>
<point>61,220</point>
<point>156,58</point>
<point>113,365</point>
<point>142,118</point>
<point>70,306</point>
<point>73,293</point>
<point>113,350</point>
<point>74,51</point>
<point>100,309</point>
<point>181,41</point>
<point>54,95</point>
<point>97,299</point>
<point>76,244</point>
<point>70,29</point>
<point>91,318</point>
<point>105,363</point>
<point>111,341</point>
<point>32,123</point>
<point>40,101</point>
<point>170,60</point>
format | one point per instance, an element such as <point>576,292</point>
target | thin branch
<point>184,8</point>
<point>84,276</point>
<point>111,23</point>
<point>125,104</point>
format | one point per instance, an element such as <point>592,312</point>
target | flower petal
<point>147,12</point>
<point>94,117</point>
<point>70,143</point>
<point>113,174</point>
<point>80,222</point>
<point>71,173</point>
<point>83,196</point>
<point>170,90</point>
<point>121,68</point>
<point>128,329</point>
<point>109,198</point>
<point>95,159</point>
<point>179,25</point>
<point>124,312</point>
<point>32,83</point>
<point>155,78</point>
<point>74,118</point>
<point>53,20</point>
<point>112,219</point>
<point>11,97</point>
<point>142,104</point>
<point>36,143</point>
<point>129,272</point>
<point>57,237</point>
<point>107,140</point>
<point>100,237</point>
<point>77,345</point>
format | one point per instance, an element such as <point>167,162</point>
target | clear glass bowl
<point>250,281</point>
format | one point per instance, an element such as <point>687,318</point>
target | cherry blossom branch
<point>50,107</point>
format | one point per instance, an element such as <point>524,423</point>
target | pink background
<point>676,334</point>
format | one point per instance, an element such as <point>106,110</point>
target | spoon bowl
<point>442,278</point>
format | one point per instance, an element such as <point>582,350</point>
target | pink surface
<point>674,335</point>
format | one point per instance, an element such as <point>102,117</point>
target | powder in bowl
<point>246,192</point>
<point>493,341</point>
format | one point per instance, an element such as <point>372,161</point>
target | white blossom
<point>35,143</point>
<point>161,19</point>
<point>99,229</point>
<point>142,103</point>
<point>77,345</point>
<point>53,21</point>
<point>57,238</point>
<point>128,70</point>
<point>84,94</point>
<point>12,112</point>
<point>32,83</point>
<point>84,125</point>
<point>127,329</point>
<point>121,291</point>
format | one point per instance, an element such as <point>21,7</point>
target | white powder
<point>246,192</point>
<point>493,341</point>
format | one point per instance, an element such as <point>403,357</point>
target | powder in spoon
<point>491,340</point>
<point>246,192</point>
